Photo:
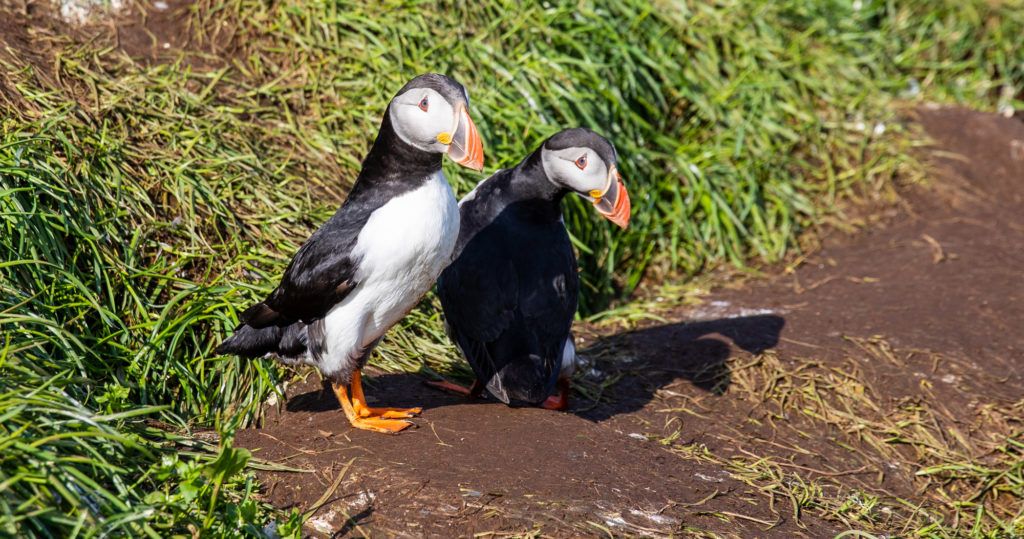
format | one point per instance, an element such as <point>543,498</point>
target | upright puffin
<point>510,296</point>
<point>371,262</point>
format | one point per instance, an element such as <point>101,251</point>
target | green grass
<point>142,206</point>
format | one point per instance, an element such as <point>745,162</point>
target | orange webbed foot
<point>445,385</point>
<point>358,413</point>
<point>365,411</point>
<point>560,401</point>
<point>472,392</point>
<point>555,402</point>
<point>386,426</point>
<point>388,413</point>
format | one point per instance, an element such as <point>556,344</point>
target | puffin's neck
<point>392,160</point>
<point>533,192</point>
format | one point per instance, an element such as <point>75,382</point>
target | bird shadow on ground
<point>623,373</point>
<point>627,369</point>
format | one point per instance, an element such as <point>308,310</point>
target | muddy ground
<point>922,312</point>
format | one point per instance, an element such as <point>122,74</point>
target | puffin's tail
<point>527,381</point>
<point>248,341</point>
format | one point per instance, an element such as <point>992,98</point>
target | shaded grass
<point>141,206</point>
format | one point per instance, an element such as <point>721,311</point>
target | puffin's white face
<point>422,117</point>
<point>582,170</point>
<point>578,169</point>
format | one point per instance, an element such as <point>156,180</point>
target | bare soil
<point>151,33</point>
<point>146,32</point>
<point>938,290</point>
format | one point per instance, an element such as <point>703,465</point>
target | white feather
<point>420,128</point>
<point>560,168</point>
<point>569,361</point>
<point>402,249</point>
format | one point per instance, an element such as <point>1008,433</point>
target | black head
<point>447,87</point>
<point>581,137</point>
<point>584,162</point>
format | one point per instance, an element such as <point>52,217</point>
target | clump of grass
<point>141,205</point>
<point>70,471</point>
<point>738,126</point>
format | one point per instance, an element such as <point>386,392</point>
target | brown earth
<point>146,32</point>
<point>152,34</point>
<point>916,322</point>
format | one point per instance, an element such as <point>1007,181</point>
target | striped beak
<point>613,204</point>
<point>466,148</point>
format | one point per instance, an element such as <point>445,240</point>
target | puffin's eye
<point>581,163</point>
<point>424,104</point>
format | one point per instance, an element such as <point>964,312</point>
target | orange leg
<point>445,385</point>
<point>359,403</point>
<point>560,402</point>
<point>387,426</point>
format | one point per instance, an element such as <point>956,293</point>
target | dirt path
<point>804,395</point>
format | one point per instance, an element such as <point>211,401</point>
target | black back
<point>510,296</point>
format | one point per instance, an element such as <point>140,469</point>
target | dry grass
<point>849,446</point>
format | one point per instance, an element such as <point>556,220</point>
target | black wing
<point>321,274</point>
<point>509,300</point>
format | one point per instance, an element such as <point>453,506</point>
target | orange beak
<point>465,147</point>
<point>614,203</point>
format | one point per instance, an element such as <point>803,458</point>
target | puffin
<point>510,295</point>
<point>372,261</point>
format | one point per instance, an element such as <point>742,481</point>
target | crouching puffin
<point>371,262</point>
<point>510,296</point>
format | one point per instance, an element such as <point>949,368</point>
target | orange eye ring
<point>581,163</point>
<point>424,104</point>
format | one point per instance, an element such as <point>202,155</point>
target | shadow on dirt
<point>639,362</point>
<point>650,359</point>
<point>353,522</point>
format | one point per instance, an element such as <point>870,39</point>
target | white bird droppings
<point>79,11</point>
<point>323,523</point>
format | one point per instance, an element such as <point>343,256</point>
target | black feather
<point>510,296</point>
<point>315,336</point>
<point>260,316</point>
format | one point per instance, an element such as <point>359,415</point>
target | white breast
<point>413,234</point>
<point>402,249</point>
